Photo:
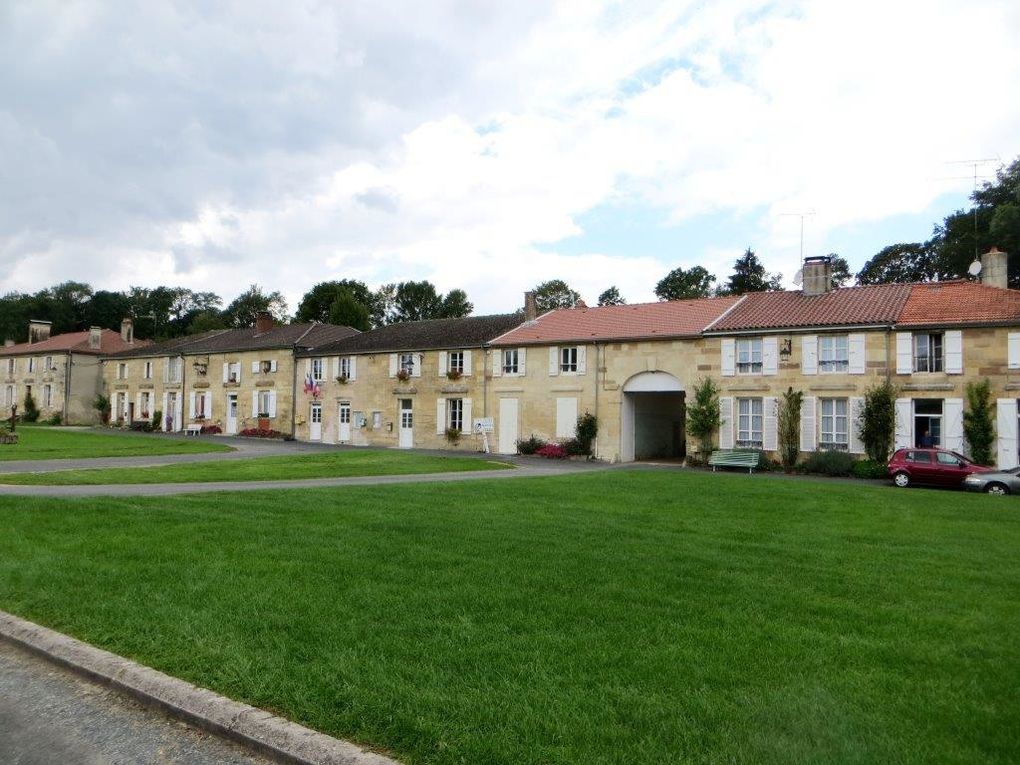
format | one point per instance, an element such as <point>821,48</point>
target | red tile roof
<point>960,302</point>
<point>675,318</point>
<point>847,306</point>
<point>75,342</point>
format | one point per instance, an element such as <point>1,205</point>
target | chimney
<point>95,338</point>
<point>127,330</point>
<point>8,343</point>
<point>530,307</point>
<point>263,322</point>
<point>38,330</point>
<point>994,268</point>
<point>817,275</point>
<point>580,304</point>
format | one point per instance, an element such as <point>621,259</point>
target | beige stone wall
<point>135,382</point>
<point>248,384</point>
<point>85,382</point>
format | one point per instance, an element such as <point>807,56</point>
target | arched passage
<point>653,418</point>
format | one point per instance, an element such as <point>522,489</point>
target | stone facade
<point>47,376</point>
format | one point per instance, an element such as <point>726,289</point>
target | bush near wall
<point>530,445</point>
<point>260,433</point>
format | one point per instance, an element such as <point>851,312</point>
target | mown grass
<point>325,465</point>
<point>50,443</point>
<point>609,617</point>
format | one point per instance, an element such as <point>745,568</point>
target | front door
<point>232,413</point>
<point>170,415</point>
<point>406,440</point>
<point>508,426</point>
<point>345,422</point>
<point>315,423</point>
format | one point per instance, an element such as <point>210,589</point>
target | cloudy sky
<point>485,145</point>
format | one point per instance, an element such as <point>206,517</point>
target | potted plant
<point>263,420</point>
<point>403,375</point>
<point>453,436</point>
<point>454,374</point>
<point>342,379</point>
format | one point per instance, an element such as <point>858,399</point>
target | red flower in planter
<point>553,452</point>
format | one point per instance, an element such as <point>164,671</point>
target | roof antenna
<point>798,277</point>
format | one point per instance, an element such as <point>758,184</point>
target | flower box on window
<point>454,374</point>
<point>403,375</point>
<point>342,379</point>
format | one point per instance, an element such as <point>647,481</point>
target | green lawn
<point>323,465</point>
<point>607,617</point>
<point>51,443</point>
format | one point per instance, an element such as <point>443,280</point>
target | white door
<point>406,424</point>
<point>232,413</point>
<point>345,422</point>
<point>508,426</point>
<point>315,423</point>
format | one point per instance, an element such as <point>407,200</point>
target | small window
<point>122,371</point>
<point>234,372</point>
<point>835,421</point>
<point>750,420</point>
<point>31,364</point>
<point>146,403</point>
<point>455,413</point>
<point>9,396</point>
<point>265,403</point>
<point>455,362</point>
<point>407,363</point>
<point>147,371</point>
<point>173,369</point>
<point>376,420</point>
<point>928,352</point>
<point>318,369</point>
<point>48,365</point>
<point>47,396</point>
<point>510,361</point>
<point>834,353</point>
<point>946,459</point>
<point>568,359</point>
<point>345,367</point>
<point>749,356</point>
<point>11,366</point>
<point>919,457</point>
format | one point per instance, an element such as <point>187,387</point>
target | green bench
<point>742,458</point>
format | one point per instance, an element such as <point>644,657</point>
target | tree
<point>317,303</point>
<point>456,305</point>
<point>679,284</point>
<point>347,310</point>
<point>204,321</point>
<point>107,309</point>
<point>31,411</point>
<point>703,416</point>
<point>70,303</point>
<point>901,263</point>
<point>749,275</point>
<point>978,421</point>
<point>554,294</point>
<point>789,427</point>
<point>247,306</point>
<point>840,270</point>
<point>382,304</point>
<point>611,296</point>
<point>417,301</point>
<point>878,421</point>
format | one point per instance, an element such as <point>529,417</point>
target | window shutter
<point>418,362</point>
<point>191,406</point>
<point>1013,350</point>
<point>255,404</point>
<point>272,365</point>
<point>440,416</point>
<point>729,360</point>
<point>393,365</point>
<point>166,369</point>
<point>272,403</point>
<point>858,353</point>
<point>770,435</point>
<point>466,425</point>
<point>726,422</point>
<point>952,419</point>
<point>582,364</point>
<point>239,365</point>
<point>808,432</point>
<point>770,355</point>
<point>855,420</point>
<point>467,363</point>
<point>554,361</point>
<point>208,405</point>
<point>226,371</point>
<point>904,354</point>
<point>904,426</point>
<point>809,355</point>
<point>138,404</point>
<point>255,368</point>
<point>442,363</point>
<point>166,399</point>
<point>520,362</point>
<point>354,368</point>
<point>954,352</point>
<point>496,357</point>
<point>1007,430</point>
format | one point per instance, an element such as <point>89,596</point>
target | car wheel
<point>996,488</point>
<point>902,480</point>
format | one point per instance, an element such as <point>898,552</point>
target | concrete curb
<point>252,727</point>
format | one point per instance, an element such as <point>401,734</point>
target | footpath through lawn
<point>52,443</point>
<point>609,617</point>
<point>336,464</point>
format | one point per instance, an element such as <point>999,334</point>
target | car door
<point>950,470</point>
<point>921,467</point>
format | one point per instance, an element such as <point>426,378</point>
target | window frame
<point>405,363</point>
<point>751,349</point>
<point>147,370</point>
<point>834,354</point>
<point>829,422</point>
<point>318,369</point>
<point>568,359</point>
<point>263,403</point>
<point>455,362</point>
<point>755,416</point>
<point>455,414</point>
<point>507,367</point>
<point>122,370</point>
<point>31,365</point>
<point>345,367</point>
<point>933,358</point>
<point>174,369</point>
<point>47,396</point>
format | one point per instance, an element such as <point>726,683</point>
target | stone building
<point>62,372</point>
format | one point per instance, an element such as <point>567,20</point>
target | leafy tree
<point>347,310</point>
<point>31,411</point>
<point>417,301</point>
<point>204,321</point>
<point>901,263</point>
<point>107,309</point>
<point>247,306</point>
<point>381,306</point>
<point>749,275</point>
<point>679,284</point>
<point>878,421</point>
<point>554,294</point>
<point>317,303</point>
<point>703,416</point>
<point>978,421</point>
<point>456,305</point>
<point>70,302</point>
<point>840,270</point>
<point>611,296</point>
<point>789,427</point>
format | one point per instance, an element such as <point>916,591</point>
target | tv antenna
<point>802,216</point>
<point>975,163</point>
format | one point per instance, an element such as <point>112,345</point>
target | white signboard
<point>484,425</point>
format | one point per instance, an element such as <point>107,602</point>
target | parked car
<point>996,482</point>
<point>932,467</point>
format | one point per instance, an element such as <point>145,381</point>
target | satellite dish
<point>974,268</point>
<point>798,277</point>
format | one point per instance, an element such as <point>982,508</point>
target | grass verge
<point>51,443</point>
<point>610,617</point>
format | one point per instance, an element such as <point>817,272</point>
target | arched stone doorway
<point>653,418</point>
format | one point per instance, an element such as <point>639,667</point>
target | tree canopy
<point>247,306</point>
<point>317,303</point>
<point>553,294</point>
<point>416,301</point>
<point>679,284</point>
<point>749,275</point>
<point>611,296</point>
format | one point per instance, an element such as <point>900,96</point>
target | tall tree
<point>347,310</point>
<point>247,306</point>
<point>417,301</point>
<point>381,307</point>
<point>456,305</point>
<point>901,263</point>
<point>611,296</point>
<point>840,270</point>
<point>107,309</point>
<point>679,284</point>
<point>553,294</point>
<point>749,275</point>
<point>317,303</point>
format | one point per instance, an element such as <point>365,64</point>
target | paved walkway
<point>50,715</point>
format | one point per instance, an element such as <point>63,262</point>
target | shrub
<point>257,432</point>
<point>102,405</point>
<point>870,469</point>
<point>157,420</point>
<point>553,452</point>
<point>978,422</point>
<point>453,436</point>
<point>789,427</point>
<point>55,419</point>
<point>703,417</point>
<point>31,413</point>
<point>209,430</point>
<point>584,433</point>
<point>575,448</point>
<point>530,445</point>
<point>141,426</point>
<point>829,462</point>
<point>878,421</point>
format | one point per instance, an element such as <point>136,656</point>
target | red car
<point>932,467</point>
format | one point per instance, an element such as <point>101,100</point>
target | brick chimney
<point>994,268</point>
<point>530,307</point>
<point>127,330</point>
<point>817,275</point>
<point>38,330</point>
<point>263,322</point>
<point>95,338</point>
